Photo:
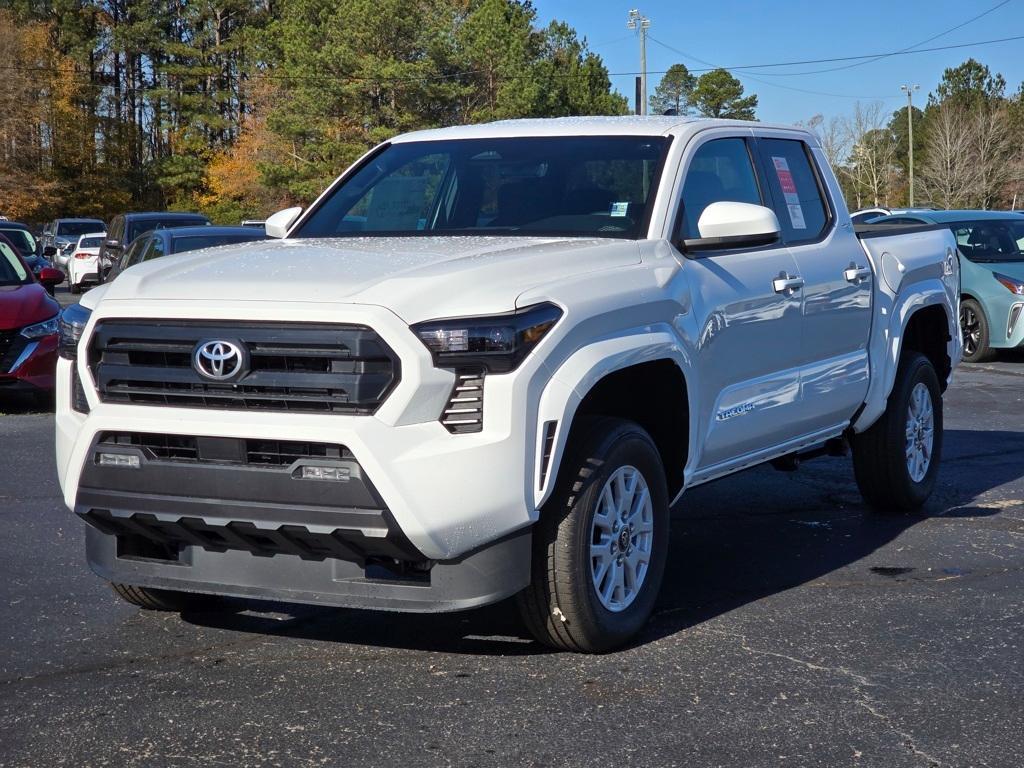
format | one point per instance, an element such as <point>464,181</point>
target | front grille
<point>12,344</point>
<point>188,448</point>
<point>292,366</point>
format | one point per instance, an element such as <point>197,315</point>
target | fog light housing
<point>129,460</point>
<point>337,474</point>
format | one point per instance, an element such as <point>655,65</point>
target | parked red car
<point>28,324</point>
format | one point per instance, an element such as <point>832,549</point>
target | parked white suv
<point>485,362</point>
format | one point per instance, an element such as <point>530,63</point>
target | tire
<point>166,599</point>
<point>974,332</point>
<point>561,607</point>
<point>881,464</point>
<point>75,288</point>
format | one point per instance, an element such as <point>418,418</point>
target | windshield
<point>195,242</point>
<point>76,228</point>
<point>12,271</point>
<point>90,242</point>
<point>22,239</point>
<point>590,186</point>
<point>990,241</point>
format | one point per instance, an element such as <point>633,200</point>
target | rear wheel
<point>600,545</point>
<point>896,460</point>
<point>75,288</point>
<point>167,599</point>
<point>974,331</point>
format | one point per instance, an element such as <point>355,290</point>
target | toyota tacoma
<point>486,361</point>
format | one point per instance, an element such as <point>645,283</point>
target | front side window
<point>586,186</point>
<point>12,271</point>
<point>721,170</point>
<point>990,241</point>
<point>791,178</point>
<point>22,239</point>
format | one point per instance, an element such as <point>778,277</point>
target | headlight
<point>39,330</point>
<point>498,343</point>
<point>1012,284</point>
<point>72,323</point>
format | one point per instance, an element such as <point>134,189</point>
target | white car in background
<point>83,261</point>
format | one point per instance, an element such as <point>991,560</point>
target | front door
<point>748,345</point>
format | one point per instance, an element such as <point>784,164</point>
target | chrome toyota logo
<point>219,360</point>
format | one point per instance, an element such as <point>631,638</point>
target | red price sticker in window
<point>796,212</point>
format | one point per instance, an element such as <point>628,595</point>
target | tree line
<point>239,107</point>
<point>968,146</point>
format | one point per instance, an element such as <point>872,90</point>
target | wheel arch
<point>639,378</point>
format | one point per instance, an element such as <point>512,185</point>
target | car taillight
<point>83,255</point>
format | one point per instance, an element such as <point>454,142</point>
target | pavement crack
<point>860,682</point>
<point>858,678</point>
<point>908,739</point>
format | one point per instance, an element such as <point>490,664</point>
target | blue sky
<point>731,33</point>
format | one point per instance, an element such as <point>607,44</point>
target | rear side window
<point>802,213</point>
<point>721,170</point>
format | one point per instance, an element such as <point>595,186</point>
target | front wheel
<point>974,332</point>
<point>600,545</point>
<point>896,460</point>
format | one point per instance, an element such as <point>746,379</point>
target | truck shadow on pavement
<point>734,541</point>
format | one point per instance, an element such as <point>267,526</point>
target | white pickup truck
<point>487,360</point>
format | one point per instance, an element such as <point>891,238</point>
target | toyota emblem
<point>218,360</point>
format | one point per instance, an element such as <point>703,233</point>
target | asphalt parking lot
<point>793,629</point>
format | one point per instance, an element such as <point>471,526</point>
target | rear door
<point>749,325</point>
<point>837,286</point>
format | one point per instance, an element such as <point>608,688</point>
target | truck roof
<point>626,125</point>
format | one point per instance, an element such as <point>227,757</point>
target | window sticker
<point>796,212</point>
<point>619,209</point>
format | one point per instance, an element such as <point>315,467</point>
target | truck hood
<point>418,278</point>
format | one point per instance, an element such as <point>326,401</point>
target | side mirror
<point>279,223</point>
<point>112,245</point>
<point>725,225</point>
<point>49,251</point>
<point>49,276</point>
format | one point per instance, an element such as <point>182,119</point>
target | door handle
<point>855,274</point>
<point>787,283</point>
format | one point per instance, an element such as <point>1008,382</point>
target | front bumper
<point>32,369</point>
<point>458,507</point>
<point>253,526</point>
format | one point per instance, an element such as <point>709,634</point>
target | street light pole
<point>910,137</point>
<point>641,23</point>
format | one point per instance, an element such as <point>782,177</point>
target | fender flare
<point>887,345</point>
<point>575,378</point>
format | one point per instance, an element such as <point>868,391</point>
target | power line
<point>765,82</point>
<point>908,49</point>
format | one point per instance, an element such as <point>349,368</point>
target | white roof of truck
<point>629,125</point>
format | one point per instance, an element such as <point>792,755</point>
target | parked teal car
<point>991,245</point>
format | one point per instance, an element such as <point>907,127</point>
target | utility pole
<point>910,137</point>
<point>640,23</point>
